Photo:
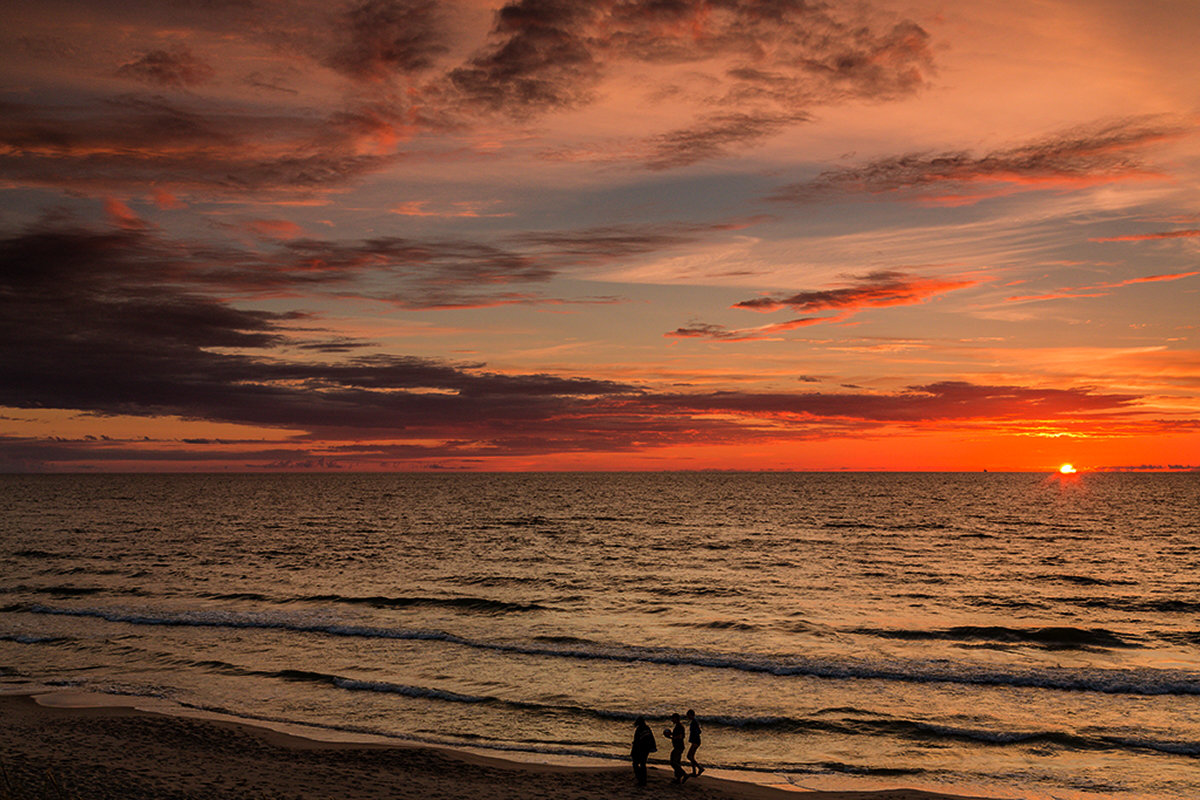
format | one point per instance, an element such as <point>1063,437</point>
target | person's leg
<point>639,771</point>
<point>696,768</point>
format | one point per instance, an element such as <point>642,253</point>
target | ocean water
<point>1013,634</point>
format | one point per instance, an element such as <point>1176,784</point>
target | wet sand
<point>118,752</point>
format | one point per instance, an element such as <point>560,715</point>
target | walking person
<point>694,740</point>
<point>643,746</point>
<point>676,736</point>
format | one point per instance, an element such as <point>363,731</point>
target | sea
<point>1010,635</point>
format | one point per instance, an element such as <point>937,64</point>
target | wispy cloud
<point>178,68</point>
<point>1101,153</point>
<point>608,243</point>
<point>713,136</point>
<point>1099,289</point>
<point>421,274</point>
<point>1190,233</point>
<point>463,209</point>
<point>704,330</point>
<point>873,290</point>
<point>944,400</point>
<point>130,142</point>
<point>274,228</point>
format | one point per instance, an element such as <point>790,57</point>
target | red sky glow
<point>464,235</point>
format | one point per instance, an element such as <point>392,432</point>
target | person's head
<point>691,714</point>
<point>674,718</point>
<point>639,722</point>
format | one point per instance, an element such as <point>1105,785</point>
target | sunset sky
<point>651,234</point>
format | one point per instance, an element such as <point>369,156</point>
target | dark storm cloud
<point>772,41</point>
<point>550,53</point>
<point>28,454</point>
<point>120,322</point>
<point>106,285</point>
<point>539,415</point>
<point>130,142</point>
<point>384,37</point>
<point>338,344</point>
<point>94,321</point>
<point>363,40</point>
<point>407,372</point>
<point>410,273</point>
<point>943,401</point>
<point>541,58</point>
<point>100,140</point>
<point>178,68</point>
<point>116,322</point>
<point>425,273</point>
<point>1100,153</point>
<point>776,61</point>
<point>126,321</point>
<point>786,57</point>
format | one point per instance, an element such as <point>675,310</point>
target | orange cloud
<point>418,208</point>
<point>167,201</point>
<point>1098,290</point>
<point>1144,237</point>
<point>874,290</point>
<point>274,228</point>
<point>1155,278</point>
<point>122,215</point>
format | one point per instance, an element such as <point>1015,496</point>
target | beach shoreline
<point>84,747</point>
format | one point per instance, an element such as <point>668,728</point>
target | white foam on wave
<point>1142,681</point>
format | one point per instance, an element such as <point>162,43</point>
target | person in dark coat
<point>676,734</point>
<point>694,741</point>
<point>643,746</point>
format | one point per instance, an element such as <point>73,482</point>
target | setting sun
<point>1067,469</point>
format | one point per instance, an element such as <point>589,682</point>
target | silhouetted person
<point>643,746</point>
<point>676,736</point>
<point>694,740</point>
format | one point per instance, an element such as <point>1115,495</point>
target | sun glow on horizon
<point>426,265</point>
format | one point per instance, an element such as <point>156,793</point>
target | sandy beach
<point>110,752</point>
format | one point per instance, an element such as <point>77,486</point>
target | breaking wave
<point>1107,681</point>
